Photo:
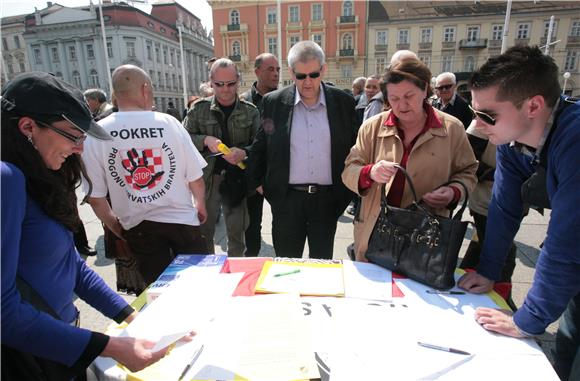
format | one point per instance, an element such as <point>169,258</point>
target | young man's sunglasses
<point>444,87</point>
<point>486,118</point>
<point>222,84</point>
<point>77,140</point>
<point>302,76</point>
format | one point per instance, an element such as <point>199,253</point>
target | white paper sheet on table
<point>187,305</point>
<point>263,337</point>
<point>366,281</point>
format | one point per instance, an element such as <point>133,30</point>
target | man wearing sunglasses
<point>298,155</point>
<point>517,103</point>
<point>449,101</point>
<point>224,118</point>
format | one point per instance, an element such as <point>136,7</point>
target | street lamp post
<point>106,54</point>
<point>183,79</point>
<point>566,75</point>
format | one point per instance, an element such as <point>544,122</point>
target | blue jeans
<point>567,350</point>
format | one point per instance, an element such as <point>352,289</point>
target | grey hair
<point>205,90</point>
<point>360,81</point>
<point>305,51</point>
<point>446,75</point>
<point>221,64</point>
<point>96,94</point>
<point>260,58</point>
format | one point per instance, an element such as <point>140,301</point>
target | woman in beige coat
<point>430,144</point>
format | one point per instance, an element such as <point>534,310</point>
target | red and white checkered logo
<point>144,167</point>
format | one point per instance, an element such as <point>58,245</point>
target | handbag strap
<point>457,215</point>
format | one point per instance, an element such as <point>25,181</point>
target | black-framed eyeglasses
<point>486,118</point>
<point>444,87</point>
<point>302,76</point>
<point>222,84</point>
<point>77,140</point>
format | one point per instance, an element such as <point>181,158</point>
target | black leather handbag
<point>416,243</point>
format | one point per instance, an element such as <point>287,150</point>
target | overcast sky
<point>200,8</point>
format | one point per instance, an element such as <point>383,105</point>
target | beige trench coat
<point>439,155</point>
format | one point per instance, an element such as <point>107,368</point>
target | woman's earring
<point>30,139</point>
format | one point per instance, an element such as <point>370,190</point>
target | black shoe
<point>87,251</point>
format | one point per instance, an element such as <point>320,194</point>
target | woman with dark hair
<point>429,144</point>
<point>44,124</point>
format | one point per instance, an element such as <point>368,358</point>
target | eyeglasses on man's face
<point>229,84</point>
<point>302,76</point>
<point>486,118</point>
<point>444,87</point>
<point>77,140</point>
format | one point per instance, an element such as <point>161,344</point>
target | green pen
<point>287,273</point>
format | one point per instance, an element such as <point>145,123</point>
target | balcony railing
<point>425,45</point>
<point>494,43</point>
<point>236,58</point>
<point>232,27</point>
<point>346,52</point>
<point>347,19</point>
<point>480,43</point>
<point>381,47</point>
<point>448,45</point>
<point>403,46</point>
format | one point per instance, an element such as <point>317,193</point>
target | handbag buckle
<point>428,240</point>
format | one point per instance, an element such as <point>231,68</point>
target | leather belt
<point>310,188</point>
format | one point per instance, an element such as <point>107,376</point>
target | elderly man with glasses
<point>298,155</point>
<point>449,101</point>
<point>224,119</point>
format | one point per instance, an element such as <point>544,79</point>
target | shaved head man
<point>133,89</point>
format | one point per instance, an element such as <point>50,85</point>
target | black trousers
<point>255,205</point>
<point>155,244</point>
<point>80,238</point>
<point>471,258</point>
<point>304,216</point>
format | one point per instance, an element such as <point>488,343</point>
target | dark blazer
<point>459,109</point>
<point>269,159</point>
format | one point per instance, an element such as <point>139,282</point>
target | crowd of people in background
<point>159,183</point>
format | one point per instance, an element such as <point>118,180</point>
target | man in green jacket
<point>224,119</point>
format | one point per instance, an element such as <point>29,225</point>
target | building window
<point>94,78</point>
<point>17,42</point>
<point>10,68</point>
<point>37,56</point>
<point>180,82</point>
<point>273,45</point>
<point>165,56</point>
<point>236,50</point>
<point>159,79</point>
<point>4,43</point>
<point>271,16</point>
<point>469,65</point>
<point>523,31</point>
<point>575,29</point>
<point>317,38</point>
<point>403,36</point>
<point>77,79</point>
<point>347,8</point>
<point>72,53</point>
<point>152,76</point>
<point>426,35</point>
<point>447,63</point>
<point>149,52</point>
<point>547,28</point>
<point>472,33</point>
<point>58,75</point>
<point>54,54</point>
<point>346,71</point>
<point>496,32</point>
<point>174,80</point>
<point>571,61</point>
<point>294,13</point>
<point>381,37</point>
<point>172,57</point>
<point>157,54</point>
<point>130,49</point>
<point>347,41</point>
<point>90,51</point>
<point>449,34</point>
<point>22,66</point>
<point>110,49</point>
<point>317,12</point>
<point>426,59</point>
<point>167,84</point>
<point>178,58</point>
<point>380,65</point>
<point>234,17</point>
<point>293,41</point>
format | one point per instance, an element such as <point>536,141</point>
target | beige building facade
<point>460,36</point>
